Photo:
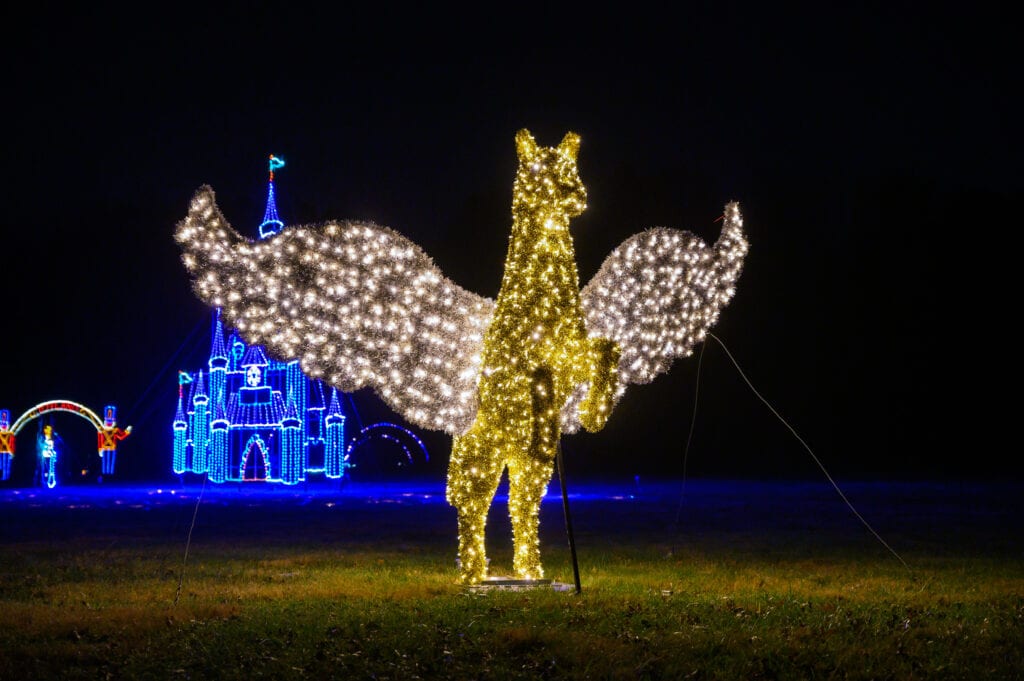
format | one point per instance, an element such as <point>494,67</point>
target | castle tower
<point>271,222</point>
<point>256,415</point>
<point>293,467</point>
<point>218,363</point>
<point>297,390</point>
<point>313,435</point>
<point>200,427</point>
<point>219,444</point>
<point>334,441</point>
<point>180,427</point>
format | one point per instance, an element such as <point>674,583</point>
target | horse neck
<point>533,244</point>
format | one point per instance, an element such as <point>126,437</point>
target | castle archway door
<point>255,466</point>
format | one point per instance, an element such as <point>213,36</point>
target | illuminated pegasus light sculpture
<point>361,305</point>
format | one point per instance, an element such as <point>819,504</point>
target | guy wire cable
<point>811,452</point>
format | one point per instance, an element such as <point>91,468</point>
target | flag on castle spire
<point>271,224</point>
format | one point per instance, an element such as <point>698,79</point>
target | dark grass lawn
<point>756,580</point>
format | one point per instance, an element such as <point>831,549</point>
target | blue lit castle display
<point>249,417</point>
<point>254,418</point>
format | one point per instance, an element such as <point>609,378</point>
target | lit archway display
<point>360,305</point>
<point>108,433</point>
<point>255,460</point>
<point>391,433</point>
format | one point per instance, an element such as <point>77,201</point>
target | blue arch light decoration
<point>390,432</point>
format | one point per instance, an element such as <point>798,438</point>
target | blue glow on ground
<point>170,493</point>
<point>934,516</point>
<point>722,494</point>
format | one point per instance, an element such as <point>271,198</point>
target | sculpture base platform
<point>509,584</point>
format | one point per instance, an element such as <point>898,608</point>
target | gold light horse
<point>535,353</point>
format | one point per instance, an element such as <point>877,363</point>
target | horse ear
<point>526,147</point>
<point>570,145</point>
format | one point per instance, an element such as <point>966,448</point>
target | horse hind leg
<point>528,479</point>
<point>473,475</point>
<point>529,474</point>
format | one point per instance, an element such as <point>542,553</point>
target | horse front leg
<point>600,368</point>
<point>544,415</point>
<point>529,472</point>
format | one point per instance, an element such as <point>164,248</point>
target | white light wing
<point>656,295</point>
<point>357,303</point>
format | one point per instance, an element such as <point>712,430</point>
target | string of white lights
<point>656,296</point>
<point>414,335</point>
<point>357,303</point>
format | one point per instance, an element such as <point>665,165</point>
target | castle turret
<point>180,427</point>
<point>293,467</point>
<point>218,364</point>
<point>334,439</point>
<point>297,389</point>
<point>200,427</point>
<point>219,444</point>
<point>218,350</point>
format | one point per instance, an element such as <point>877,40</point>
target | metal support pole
<point>568,518</point>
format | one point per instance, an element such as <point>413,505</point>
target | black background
<point>875,153</point>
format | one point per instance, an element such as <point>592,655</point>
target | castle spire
<point>218,351</point>
<point>199,392</point>
<point>271,222</point>
<point>179,416</point>
<point>335,408</point>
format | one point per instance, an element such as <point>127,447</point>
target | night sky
<point>875,155</point>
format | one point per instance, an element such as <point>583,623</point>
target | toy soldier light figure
<point>7,443</point>
<point>107,439</point>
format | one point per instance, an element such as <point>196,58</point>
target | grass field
<point>757,580</point>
